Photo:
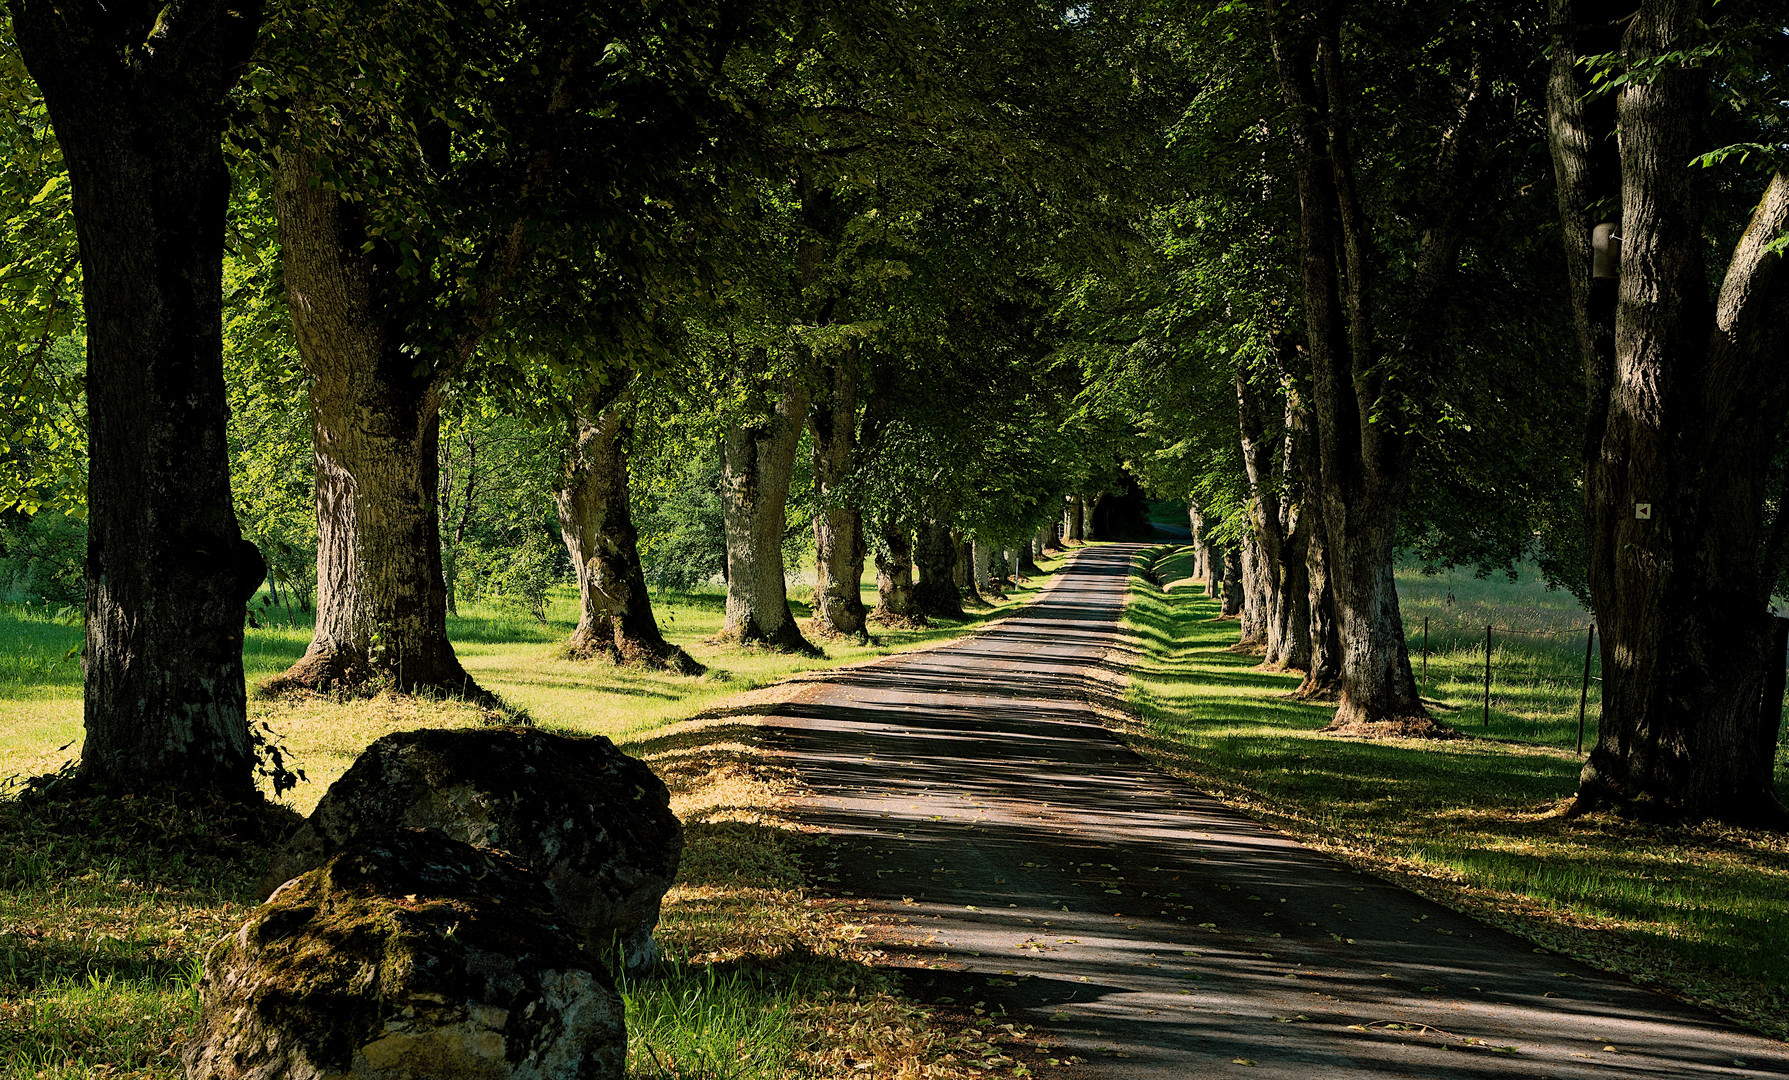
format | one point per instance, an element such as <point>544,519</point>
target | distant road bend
<point>977,803</point>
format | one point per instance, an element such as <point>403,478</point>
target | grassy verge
<point>102,934</point>
<point>1476,823</point>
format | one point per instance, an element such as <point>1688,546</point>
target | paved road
<point>1028,859</point>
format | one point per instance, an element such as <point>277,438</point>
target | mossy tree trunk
<point>136,95</point>
<point>615,618</point>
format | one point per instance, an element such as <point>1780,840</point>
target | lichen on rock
<point>594,823</point>
<point>407,956</point>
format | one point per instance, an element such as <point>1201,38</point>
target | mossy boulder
<point>410,956</point>
<point>594,823</point>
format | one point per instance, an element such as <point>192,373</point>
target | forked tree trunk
<point>1363,445</point>
<point>1682,553</point>
<point>756,463</point>
<point>381,601</point>
<point>615,618</point>
<point>140,124</point>
<point>935,558</point>
<point>897,602</point>
<point>838,527</point>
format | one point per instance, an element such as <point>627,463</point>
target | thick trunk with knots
<point>936,592</point>
<point>615,619</point>
<point>897,603</point>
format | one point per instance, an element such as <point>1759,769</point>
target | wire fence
<point>1545,684</point>
<point>1536,684</point>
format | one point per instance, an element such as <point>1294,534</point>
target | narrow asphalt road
<point>1013,847</point>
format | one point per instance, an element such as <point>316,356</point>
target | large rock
<point>594,823</point>
<point>411,956</point>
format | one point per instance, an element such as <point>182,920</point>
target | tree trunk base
<point>1258,647</point>
<point>1317,689</point>
<point>631,650</point>
<point>347,672</point>
<point>788,639</point>
<point>884,617</point>
<point>1595,797</point>
<point>1397,727</point>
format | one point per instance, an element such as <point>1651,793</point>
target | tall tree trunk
<point>981,571</point>
<point>1261,555</point>
<point>1257,596</point>
<point>1027,553</point>
<point>615,618</point>
<point>1231,586</point>
<point>137,104</point>
<point>838,527</point>
<point>1323,649</point>
<point>935,557</point>
<point>1362,440</point>
<point>756,463</point>
<point>376,421</point>
<point>897,602</point>
<point>1289,630</point>
<point>1076,524</point>
<point>1687,403</point>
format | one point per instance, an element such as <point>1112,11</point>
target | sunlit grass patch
<point>1478,823</point>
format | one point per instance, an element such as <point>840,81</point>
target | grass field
<point>1477,823</point>
<point>102,933</point>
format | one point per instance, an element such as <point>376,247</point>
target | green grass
<point>102,933</point>
<point>695,1022</point>
<point>1537,654</point>
<point>1478,822</point>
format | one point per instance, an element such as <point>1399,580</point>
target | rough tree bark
<point>897,602</point>
<point>1261,552</point>
<point>757,459</point>
<point>1257,604</point>
<point>376,420</point>
<point>838,527</point>
<point>1687,398</point>
<point>1231,585</point>
<point>1323,664</point>
<point>1027,553</point>
<point>935,557</point>
<point>615,618</point>
<point>136,92</point>
<point>1363,440</point>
